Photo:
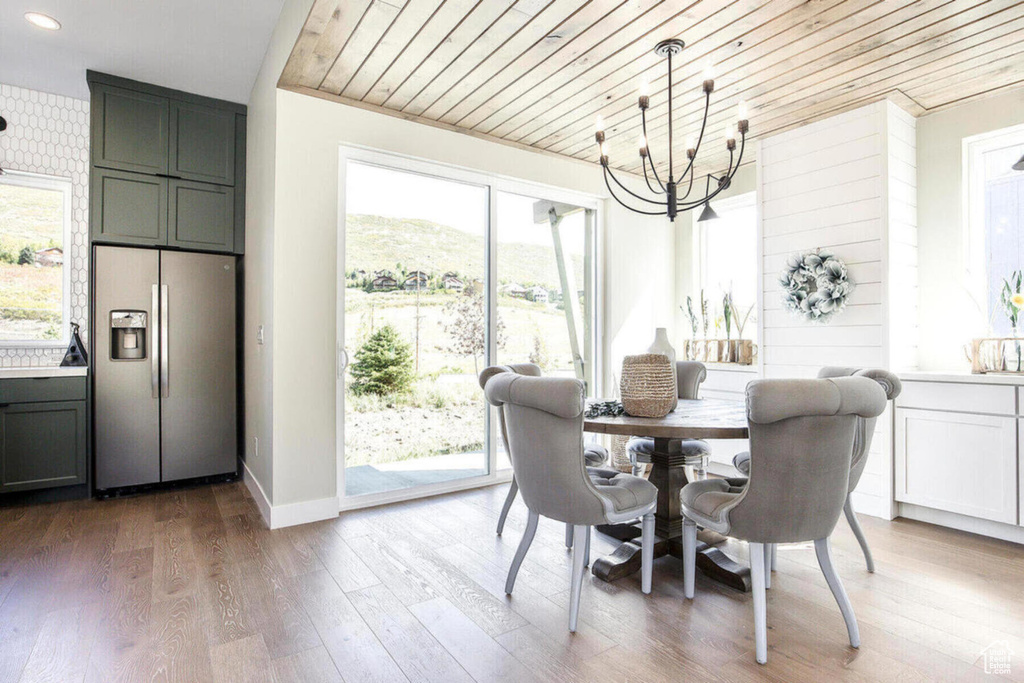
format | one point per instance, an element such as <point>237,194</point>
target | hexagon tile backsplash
<point>49,134</point>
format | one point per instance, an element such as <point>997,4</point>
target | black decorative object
<point>76,357</point>
<point>604,409</point>
<point>671,202</point>
<point>1019,166</point>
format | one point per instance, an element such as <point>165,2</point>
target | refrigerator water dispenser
<point>128,335</point>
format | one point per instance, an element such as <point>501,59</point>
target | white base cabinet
<point>959,462</point>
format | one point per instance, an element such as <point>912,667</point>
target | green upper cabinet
<point>201,216</point>
<point>168,167</point>
<point>129,130</point>
<point>202,143</point>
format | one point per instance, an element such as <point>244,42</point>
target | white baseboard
<point>257,493</point>
<point>291,514</point>
<point>982,527</point>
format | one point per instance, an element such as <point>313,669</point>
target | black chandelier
<point>668,194</point>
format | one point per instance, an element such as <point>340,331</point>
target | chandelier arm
<point>643,122</point>
<point>728,176</point>
<point>649,186</point>
<point>689,187</point>
<point>624,204</point>
<point>643,199</point>
<point>700,138</point>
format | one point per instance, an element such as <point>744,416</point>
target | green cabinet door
<point>201,216</point>
<point>129,130</point>
<point>202,143</point>
<point>128,208</point>
<point>42,445</point>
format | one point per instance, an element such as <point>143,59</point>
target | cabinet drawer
<point>202,143</point>
<point>959,397</point>
<point>201,215</point>
<point>129,130</point>
<point>37,389</point>
<point>42,445</point>
<point>957,462</point>
<point>128,208</point>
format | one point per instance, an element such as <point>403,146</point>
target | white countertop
<point>20,373</point>
<point>963,377</point>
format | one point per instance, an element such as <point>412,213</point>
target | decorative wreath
<point>815,285</point>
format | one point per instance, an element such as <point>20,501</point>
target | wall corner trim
<point>291,514</point>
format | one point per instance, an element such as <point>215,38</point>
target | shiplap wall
<point>847,183</point>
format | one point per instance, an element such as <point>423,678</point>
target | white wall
<point>942,256</point>
<point>49,134</point>
<point>846,183</point>
<point>291,268</point>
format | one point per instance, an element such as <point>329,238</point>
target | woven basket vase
<point>648,385</point>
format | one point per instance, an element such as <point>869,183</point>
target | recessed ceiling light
<point>42,21</point>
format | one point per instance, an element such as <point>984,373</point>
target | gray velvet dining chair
<point>544,424</point>
<point>690,374</point>
<point>594,454</point>
<point>892,386</point>
<point>802,434</point>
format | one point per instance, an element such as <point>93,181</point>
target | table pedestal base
<point>626,559</point>
<point>669,475</point>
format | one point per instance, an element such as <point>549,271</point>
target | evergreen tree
<point>27,257</point>
<point>383,365</point>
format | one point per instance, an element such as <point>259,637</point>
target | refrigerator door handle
<point>153,354</point>
<point>165,387</point>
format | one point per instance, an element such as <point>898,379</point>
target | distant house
<point>381,273</point>
<point>383,283</point>
<point>451,281</point>
<point>538,294</point>
<point>359,274</point>
<point>417,279</point>
<point>49,258</point>
<point>516,291</point>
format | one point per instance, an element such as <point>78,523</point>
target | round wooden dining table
<point>692,419</point>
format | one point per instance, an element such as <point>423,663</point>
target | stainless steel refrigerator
<point>164,392</point>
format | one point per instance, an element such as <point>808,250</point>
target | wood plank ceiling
<point>537,72</point>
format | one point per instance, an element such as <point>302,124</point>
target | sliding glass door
<point>440,274</point>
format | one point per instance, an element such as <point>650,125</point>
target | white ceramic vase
<point>661,345</point>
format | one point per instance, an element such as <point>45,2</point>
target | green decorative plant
<point>704,313</point>
<point>727,314</point>
<point>693,322</point>
<point>1013,301</point>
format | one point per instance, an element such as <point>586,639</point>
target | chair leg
<point>689,556</point>
<point>524,545</point>
<point>580,532</point>
<point>823,549</point>
<point>586,550</point>
<point>568,536</point>
<point>647,552</point>
<point>851,517</point>
<point>638,467</point>
<point>512,491</point>
<point>760,602</point>
<point>769,548</point>
<point>775,554</point>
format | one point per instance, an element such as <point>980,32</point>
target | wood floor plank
<point>477,652</point>
<point>419,655</point>
<point>121,649</point>
<point>179,644</point>
<point>175,571</point>
<point>242,661</point>
<point>62,647</point>
<point>308,666</point>
<point>136,524</point>
<point>349,640</point>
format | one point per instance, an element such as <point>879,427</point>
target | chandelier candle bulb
<point>709,78</point>
<point>599,124</point>
<point>741,111</point>
<point>642,142</point>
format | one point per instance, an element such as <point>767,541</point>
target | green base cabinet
<point>42,445</point>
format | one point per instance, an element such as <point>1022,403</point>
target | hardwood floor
<point>189,586</point>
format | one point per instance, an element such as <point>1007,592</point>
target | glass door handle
<point>342,361</point>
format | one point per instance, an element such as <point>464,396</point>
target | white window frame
<point>57,183</point>
<point>740,201</point>
<point>973,207</point>
<point>495,184</point>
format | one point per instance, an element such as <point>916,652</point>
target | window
<point>995,217</point>
<point>446,271</point>
<point>726,257</point>
<point>35,226</point>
